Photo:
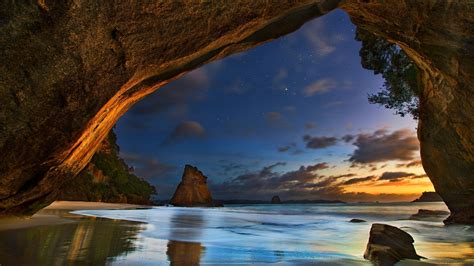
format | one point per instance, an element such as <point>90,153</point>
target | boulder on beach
<point>355,220</point>
<point>193,190</point>
<point>276,200</point>
<point>430,215</point>
<point>388,245</point>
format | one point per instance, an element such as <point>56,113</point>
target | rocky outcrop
<point>429,197</point>
<point>429,215</point>
<point>193,190</point>
<point>275,200</point>
<point>107,178</point>
<point>355,220</point>
<point>388,245</point>
<point>70,69</point>
<point>442,48</point>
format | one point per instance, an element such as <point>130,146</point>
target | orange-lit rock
<point>192,191</point>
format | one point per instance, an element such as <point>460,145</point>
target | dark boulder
<point>388,245</point>
<point>276,200</point>
<point>357,221</point>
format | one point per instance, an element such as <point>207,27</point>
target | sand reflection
<point>90,241</point>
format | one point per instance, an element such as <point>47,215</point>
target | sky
<point>288,118</point>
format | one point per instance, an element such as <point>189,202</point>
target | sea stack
<point>388,245</point>
<point>193,190</point>
<point>276,200</point>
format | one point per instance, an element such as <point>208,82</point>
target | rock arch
<point>72,68</point>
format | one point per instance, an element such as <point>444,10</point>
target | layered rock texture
<point>107,178</point>
<point>193,190</point>
<point>388,245</point>
<point>442,48</point>
<point>429,197</point>
<point>70,69</point>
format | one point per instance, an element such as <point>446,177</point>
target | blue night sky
<point>272,120</point>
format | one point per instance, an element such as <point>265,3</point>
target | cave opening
<point>288,118</point>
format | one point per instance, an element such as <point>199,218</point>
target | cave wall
<point>72,68</point>
<point>439,37</point>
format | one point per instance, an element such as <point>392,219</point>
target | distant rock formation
<point>193,190</point>
<point>429,215</point>
<point>429,197</point>
<point>357,221</point>
<point>388,245</point>
<point>276,200</point>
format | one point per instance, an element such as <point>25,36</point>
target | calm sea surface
<point>236,234</point>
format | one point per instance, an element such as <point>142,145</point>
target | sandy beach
<point>59,213</point>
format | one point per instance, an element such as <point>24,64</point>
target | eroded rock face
<point>70,69</point>
<point>193,190</point>
<point>443,50</point>
<point>388,245</point>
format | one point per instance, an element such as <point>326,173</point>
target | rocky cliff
<point>70,69</point>
<point>192,191</point>
<point>428,197</point>
<point>442,48</point>
<point>107,178</point>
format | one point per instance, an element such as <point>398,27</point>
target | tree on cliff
<point>401,87</point>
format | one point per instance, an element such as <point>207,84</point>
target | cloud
<point>148,167</point>
<point>358,180</point>
<point>273,117</point>
<point>307,182</point>
<point>381,146</point>
<point>348,138</point>
<point>310,125</point>
<point>276,119</point>
<point>319,142</point>
<point>284,148</point>
<point>175,96</point>
<point>395,176</point>
<point>323,42</point>
<point>186,130</point>
<point>268,182</point>
<point>282,74</point>
<point>414,163</point>
<point>319,87</point>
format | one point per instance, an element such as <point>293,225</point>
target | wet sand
<point>58,213</point>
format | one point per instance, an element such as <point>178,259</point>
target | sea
<point>299,234</point>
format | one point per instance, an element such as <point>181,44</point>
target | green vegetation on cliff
<point>107,178</point>
<point>401,87</point>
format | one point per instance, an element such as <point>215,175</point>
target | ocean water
<point>284,234</point>
<point>318,234</point>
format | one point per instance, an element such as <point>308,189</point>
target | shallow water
<point>284,234</point>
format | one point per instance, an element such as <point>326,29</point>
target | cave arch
<point>74,69</point>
